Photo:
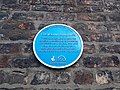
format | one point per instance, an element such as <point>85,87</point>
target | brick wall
<point>98,22</point>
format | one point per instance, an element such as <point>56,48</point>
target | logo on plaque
<point>58,46</point>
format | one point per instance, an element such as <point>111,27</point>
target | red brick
<point>91,17</point>
<point>4,61</point>
<point>98,37</point>
<point>83,77</point>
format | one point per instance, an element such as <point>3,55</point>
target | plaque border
<point>60,67</point>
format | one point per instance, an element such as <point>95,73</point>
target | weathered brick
<point>11,26</point>
<point>104,77</point>
<point>26,26</point>
<point>116,76</point>
<point>62,77</point>
<point>20,35</point>
<point>111,5</point>
<point>18,88</point>
<point>12,78</point>
<point>111,88</point>
<point>101,27</point>
<point>24,1</point>
<point>9,48</point>
<point>27,48</point>
<point>91,17</point>
<point>25,62</point>
<point>95,9</point>
<point>98,37</point>
<point>80,27</point>
<point>83,77</point>
<point>15,7</point>
<point>117,37</point>
<point>110,48</point>
<point>19,25</point>
<point>54,2</point>
<point>60,16</point>
<point>112,27</point>
<point>90,2</point>
<point>89,48</point>
<point>12,88</point>
<point>75,9</point>
<point>85,27</point>
<point>4,15</point>
<point>42,77</point>
<point>47,8</point>
<point>28,16</point>
<point>4,61</point>
<point>114,17</point>
<point>101,61</point>
<point>9,2</point>
<point>82,9</point>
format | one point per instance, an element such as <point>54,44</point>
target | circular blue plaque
<point>58,46</point>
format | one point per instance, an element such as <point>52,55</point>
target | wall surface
<point>98,22</point>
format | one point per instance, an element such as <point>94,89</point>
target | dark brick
<point>19,16</point>
<point>17,88</point>
<point>27,48</point>
<point>60,16</point>
<point>91,17</point>
<point>4,15</point>
<point>2,36</point>
<point>80,26</point>
<point>117,37</point>
<point>28,16</point>
<point>47,8</point>
<point>112,27</point>
<point>82,77</point>
<point>25,62</point>
<point>111,6</point>
<point>12,78</point>
<point>101,27</point>
<point>9,48</point>
<point>111,88</point>
<point>19,37</point>
<point>15,7</point>
<point>41,77</point>
<point>95,9</point>
<point>75,9</point>
<point>4,61</point>
<point>110,48</point>
<point>9,2</point>
<point>62,77</point>
<point>10,26</point>
<point>89,48</point>
<point>12,88</point>
<point>98,37</point>
<point>104,77</point>
<point>86,27</point>
<point>92,62</point>
<point>54,2</point>
<point>90,2</point>
<point>24,1</point>
<point>115,17</point>
<point>82,9</point>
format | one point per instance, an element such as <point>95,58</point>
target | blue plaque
<point>58,46</point>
